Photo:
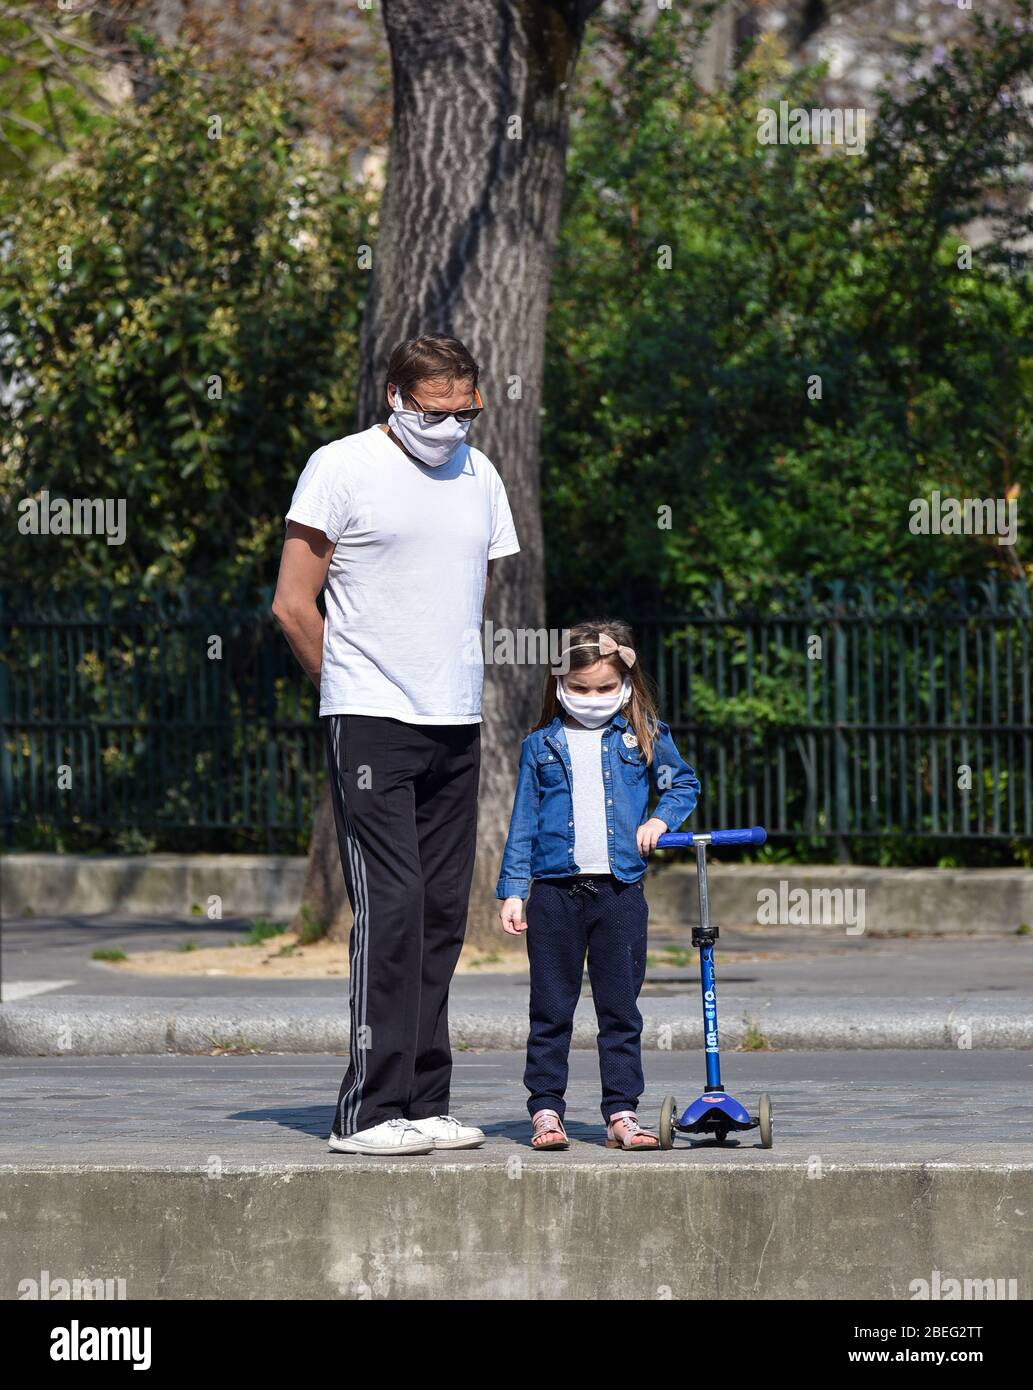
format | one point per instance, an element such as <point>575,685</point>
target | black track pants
<point>405,804</point>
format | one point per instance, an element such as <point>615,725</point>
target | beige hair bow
<point>607,646</point>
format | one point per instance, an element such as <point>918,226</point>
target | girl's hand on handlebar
<point>648,834</point>
<point>510,916</point>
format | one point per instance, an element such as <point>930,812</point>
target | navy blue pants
<point>562,925</point>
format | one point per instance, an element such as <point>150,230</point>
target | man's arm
<point>303,565</point>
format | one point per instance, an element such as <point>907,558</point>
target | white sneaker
<point>390,1137</point>
<point>447,1132</point>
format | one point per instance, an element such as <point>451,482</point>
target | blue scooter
<point>715,1112</point>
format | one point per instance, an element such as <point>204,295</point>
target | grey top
<point>591,851</point>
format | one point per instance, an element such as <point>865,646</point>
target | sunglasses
<point>436,417</point>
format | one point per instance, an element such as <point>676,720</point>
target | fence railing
<point>838,717</point>
<point>170,724</point>
<point>850,720</point>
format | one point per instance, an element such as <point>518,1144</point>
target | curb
<point>677,1228</point>
<point>86,1025</point>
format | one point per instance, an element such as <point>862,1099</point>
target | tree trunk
<point>466,235</point>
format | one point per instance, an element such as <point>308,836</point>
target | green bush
<point>687,388</point>
<point>178,328</point>
<point>50,77</point>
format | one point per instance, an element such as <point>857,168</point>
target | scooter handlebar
<point>685,839</point>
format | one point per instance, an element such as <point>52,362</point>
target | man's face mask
<point>432,436</point>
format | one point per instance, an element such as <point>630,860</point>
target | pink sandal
<point>632,1131</point>
<point>548,1122</point>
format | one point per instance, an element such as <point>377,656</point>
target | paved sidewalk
<point>210,1178</point>
<point>967,1107</point>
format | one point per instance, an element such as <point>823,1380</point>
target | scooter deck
<point>714,1110</point>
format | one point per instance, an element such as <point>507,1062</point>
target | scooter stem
<point>704,937</point>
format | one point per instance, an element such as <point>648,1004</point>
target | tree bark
<point>465,241</point>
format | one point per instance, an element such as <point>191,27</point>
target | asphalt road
<point>52,956</point>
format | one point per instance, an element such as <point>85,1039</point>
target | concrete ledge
<point>929,902</point>
<point>91,1025</point>
<point>151,885</point>
<point>672,1227</point>
<point>896,901</point>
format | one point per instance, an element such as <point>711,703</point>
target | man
<point>401,523</point>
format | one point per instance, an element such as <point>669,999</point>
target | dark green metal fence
<point>837,718</point>
<point>183,726</point>
<point>851,718</point>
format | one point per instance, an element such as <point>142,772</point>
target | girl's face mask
<point>431,444</point>
<point>593,710</point>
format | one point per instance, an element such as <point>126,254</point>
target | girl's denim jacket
<point>541,830</point>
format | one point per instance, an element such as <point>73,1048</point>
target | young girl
<point>581,831</point>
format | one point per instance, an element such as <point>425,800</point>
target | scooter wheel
<point>665,1129</point>
<point>764,1121</point>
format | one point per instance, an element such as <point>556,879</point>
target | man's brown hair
<point>434,356</point>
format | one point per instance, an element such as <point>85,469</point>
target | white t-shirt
<point>405,587</point>
<point>591,842</point>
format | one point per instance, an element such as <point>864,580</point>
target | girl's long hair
<point>640,707</point>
